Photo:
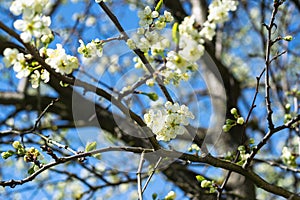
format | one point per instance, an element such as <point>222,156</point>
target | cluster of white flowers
<point>36,25</point>
<point>191,44</point>
<point>177,68</point>
<point>219,10</point>
<point>33,22</point>
<point>23,67</point>
<point>59,60</point>
<point>18,60</point>
<point>287,157</point>
<point>167,122</point>
<point>147,17</point>
<point>218,13</point>
<point>35,78</point>
<point>92,49</point>
<point>148,36</point>
<point>191,41</point>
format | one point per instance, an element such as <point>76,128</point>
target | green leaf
<point>91,146</point>
<point>31,170</point>
<point>200,178</point>
<point>7,154</point>
<point>159,5</point>
<point>97,156</point>
<point>175,33</point>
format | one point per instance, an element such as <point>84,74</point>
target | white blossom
<point>21,66</point>
<point>219,10</point>
<point>170,196</point>
<point>35,79</point>
<point>92,49</point>
<point>10,56</point>
<point>60,61</point>
<point>167,122</point>
<point>146,16</point>
<point>37,26</point>
<point>208,31</point>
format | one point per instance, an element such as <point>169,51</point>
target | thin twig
<point>12,183</point>
<point>151,174</point>
<point>267,137</point>
<point>277,56</point>
<point>139,178</point>
<point>276,164</point>
<point>43,113</point>
<point>267,65</point>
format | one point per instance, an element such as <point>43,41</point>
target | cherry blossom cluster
<point>191,43</point>
<point>148,36</point>
<point>33,22</point>
<point>23,66</point>
<point>180,63</point>
<point>59,60</point>
<point>288,157</point>
<point>92,49</point>
<point>34,27</point>
<point>168,121</point>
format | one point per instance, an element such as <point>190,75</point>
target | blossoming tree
<point>198,101</point>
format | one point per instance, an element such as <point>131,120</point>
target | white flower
<point>92,49</point>
<point>10,56</point>
<point>150,82</point>
<point>28,6</point>
<point>176,62</point>
<point>219,10</point>
<point>192,51</point>
<point>287,157</point>
<point>131,44</point>
<point>21,66</point>
<point>167,122</point>
<point>47,39</point>
<point>170,196</point>
<point>37,26</point>
<point>168,16</point>
<point>35,79</point>
<point>90,21</point>
<point>60,61</point>
<point>160,23</point>
<point>240,120</point>
<point>208,31</point>
<point>146,16</point>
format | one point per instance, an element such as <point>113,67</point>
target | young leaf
<point>159,5</point>
<point>175,33</point>
<point>91,146</point>
<point>200,178</point>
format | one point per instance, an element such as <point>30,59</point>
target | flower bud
<point>226,128</point>
<point>233,111</point>
<point>240,120</point>
<point>6,154</point>
<point>288,38</point>
<point>16,144</point>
